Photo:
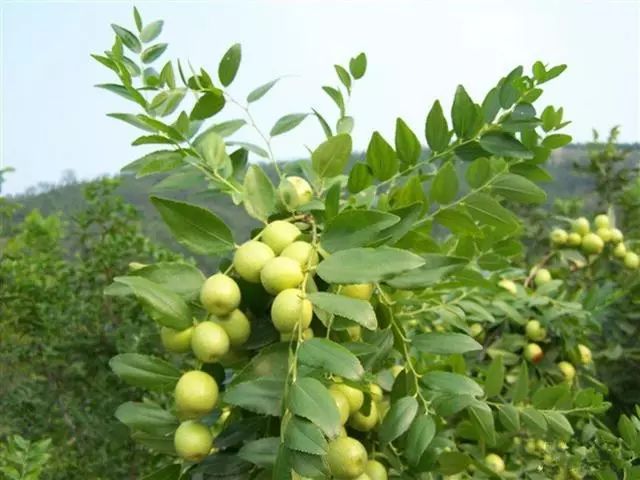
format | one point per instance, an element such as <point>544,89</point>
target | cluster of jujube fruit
<point>283,264</point>
<point>594,242</point>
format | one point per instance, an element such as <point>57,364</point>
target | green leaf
<point>310,399</point>
<point>344,76</point>
<point>355,228</point>
<point>212,149</point>
<point>283,466</point>
<point>367,265</point>
<point>137,18</point>
<point>259,193</point>
<point>534,420</point>
<point>504,145</point>
<point>509,417</point>
<point>487,210</point>
<point>226,129</point>
<point>208,105</point>
<point>398,419</point>
<point>435,268</point>
<point>558,423</point>
<point>359,178</point>
<point>381,158</point>
<point>556,140</point>
<point>482,417</point>
<point>323,123</point>
<point>330,356</point>
<point>358,66</point>
<point>228,67</point>
<point>478,172</point>
<point>168,472</point>
<point>332,156</point>
<point>145,371</point>
<point>147,417</point>
<point>196,228</point>
<point>495,377</point>
<point>261,152</point>
<point>153,52</point>
<point>436,129</point>
<point>452,383</point>
<point>420,435</point>
<point>304,436</point>
<point>131,119</point>
<point>520,389</point>
<point>445,343</point>
<point>180,278</point>
<point>261,91</point>
<point>407,143</point>
<point>164,306</point>
<point>309,466</point>
<point>155,162</point>
<point>336,96</point>
<point>519,189</point>
<point>465,114</point>
<point>262,395</point>
<point>261,452</point>
<point>360,311</point>
<point>444,187</point>
<point>288,122</point>
<point>491,105</point>
<point>457,219</point>
<point>150,32</point>
<point>165,103</point>
<point>128,38</point>
<point>453,462</point>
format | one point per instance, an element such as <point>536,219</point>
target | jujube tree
<point>377,324</point>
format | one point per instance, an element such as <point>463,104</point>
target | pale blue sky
<point>53,119</point>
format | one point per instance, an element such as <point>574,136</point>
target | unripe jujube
<point>559,236</point>
<point>535,331</point>
<point>592,243</point>
<point>616,235</point>
<point>303,253</point>
<point>376,470</point>
<point>354,396</point>
<point>542,277</point>
<point>574,239</point>
<point>279,274</point>
<point>279,235</point>
<point>209,342</point>
<point>237,327</point>
<point>494,462</point>
<point>631,260</point>
<point>585,354</point>
<point>176,341</point>
<point>601,221</point>
<point>581,226</point>
<point>196,394</point>
<point>220,294</point>
<point>361,291</point>
<point>192,441</point>
<point>249,259</point>
<point>365,422</point>
<point>289,309</point>
<point>347,458</point>
<point>567,370</point>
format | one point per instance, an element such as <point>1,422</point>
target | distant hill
<point>67,198</point>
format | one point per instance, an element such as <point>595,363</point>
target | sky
<point>53,119</point>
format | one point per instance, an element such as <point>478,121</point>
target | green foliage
<point>21,459</point>
<point>59,331</point>
<point>433,238</point>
